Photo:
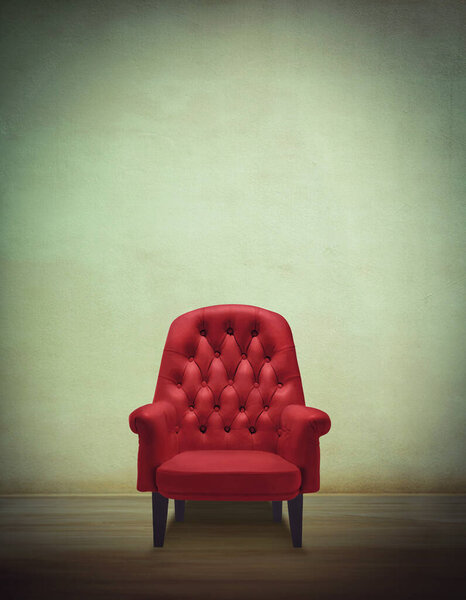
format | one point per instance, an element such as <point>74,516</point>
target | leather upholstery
<point>229,380</point>
<point>202,474</point>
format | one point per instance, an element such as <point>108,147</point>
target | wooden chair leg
<point>277,510</point>
<point>179,510</point>
<point>295,513</point>
<point>159,518</point>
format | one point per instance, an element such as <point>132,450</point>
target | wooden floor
<point>353,547</point>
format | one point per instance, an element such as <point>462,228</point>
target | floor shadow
<point>227,511</point>
<point>228,521</point>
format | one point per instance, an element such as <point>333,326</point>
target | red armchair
<point>228,419</point>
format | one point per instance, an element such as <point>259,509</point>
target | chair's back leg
<point>295,514</point>
<point>179,510</point>
<point>277,510</point>
<point>159,518</point>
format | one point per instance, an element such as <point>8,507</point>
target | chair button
<point>280,385</point>
<point>202,428</point>
<point>266,407</point>
<point>203,332</point>
<point>204,383</point>
<point>243,356</point>
<point>242,409</point>
<point>227,429</point>
<point>191,358</point>
<point>267,359</point>
<point>252,429</point>
<point>217,407</point>
<point>256,385</point>
<point>178,385</point>
<point>217,354</point>
<point>191,407</point>
<point>253,333</point>
<point>230,382</point>
<point>230,331</point>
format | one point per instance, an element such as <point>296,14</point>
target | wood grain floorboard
<point>354,546</point>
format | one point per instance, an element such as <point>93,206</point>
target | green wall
<point>306,157</point>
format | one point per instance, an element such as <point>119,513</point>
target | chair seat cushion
<point>228,475</point>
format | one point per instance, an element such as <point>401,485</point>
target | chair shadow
<point>252,522</point>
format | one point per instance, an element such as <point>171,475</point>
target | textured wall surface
<point>307,157</point>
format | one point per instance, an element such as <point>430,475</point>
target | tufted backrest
<point>229,370</point>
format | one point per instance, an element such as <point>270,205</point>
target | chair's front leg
<point>277,510</point>
<point>295,514</point>
<point>159,518</point>
<point>179,510</point>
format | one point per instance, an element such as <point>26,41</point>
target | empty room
<point>233,244</point>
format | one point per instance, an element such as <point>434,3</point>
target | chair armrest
<point>305,420</point>
<point>151,418</point>
<point>301,428</point>
<point>155,424</point>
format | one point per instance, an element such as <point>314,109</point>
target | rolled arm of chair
<point>156,426</point>
<point>299,442</point>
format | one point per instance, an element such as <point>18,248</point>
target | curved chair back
<point>229,370</point>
